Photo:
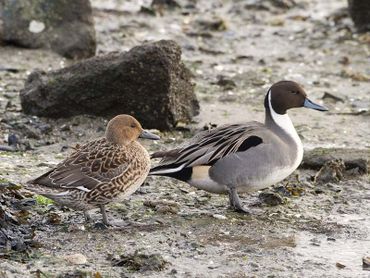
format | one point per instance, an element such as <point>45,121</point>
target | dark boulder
<point>67,27</point>
<point>360,14</point>
<point>149,82</point>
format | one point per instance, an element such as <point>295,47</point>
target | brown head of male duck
<point>100,171</point>
<point>242,157</point>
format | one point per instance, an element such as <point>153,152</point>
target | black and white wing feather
<point>207,147</point>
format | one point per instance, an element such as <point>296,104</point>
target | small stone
<point>13,140</point>
<point>75,259</point>
<point>219,216</point>
<point>54,218</point>
<point>163,206</point>
<point>163,4</point>
<point>225,82</point>
<point>76,228</point>
<point>331,171</point>
<point>36,26</point>
<point>30,132</point>
<point>340,265</point>
<point>315,242</point>
<point>46,128</point>
<point>141,262</point>
<point>344,60</point>
<point>65,127</point>
<point>332,98</point>
<point>366,262</point>
<point>210,24</point>
<point>271,198</point>
<point>167,209</point>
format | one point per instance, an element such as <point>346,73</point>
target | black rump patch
<point>250,142</point>
<point>182,175</point>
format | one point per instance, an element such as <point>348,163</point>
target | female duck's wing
<point>208,147</point>
<point>91,164</point>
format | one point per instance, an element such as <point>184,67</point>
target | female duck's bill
<point>310,104</point>
<point>148,135</point>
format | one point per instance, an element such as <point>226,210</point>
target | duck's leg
<point>235,202</point>
<point>87,216</point>
<point>105,224</point>
<point>104,214</point>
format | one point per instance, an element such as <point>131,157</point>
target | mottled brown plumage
<point>100,171</point>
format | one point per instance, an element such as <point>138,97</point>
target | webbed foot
<point>235,202</point>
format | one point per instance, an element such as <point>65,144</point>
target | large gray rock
<point>149,82</point>
<point>360,13</point>
<point>67,27</point>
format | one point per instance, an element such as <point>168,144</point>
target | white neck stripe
<point>284,122</point>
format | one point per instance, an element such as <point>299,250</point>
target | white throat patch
<point>284,122</point>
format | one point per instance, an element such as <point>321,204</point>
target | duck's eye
<point>133,125</point>
<point>294,92</point>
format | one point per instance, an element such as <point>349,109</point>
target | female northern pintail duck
<point>101,171</point>
<point>242,157</point>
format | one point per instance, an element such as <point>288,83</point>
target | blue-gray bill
<point>148,135</point>
<point>309,104</point>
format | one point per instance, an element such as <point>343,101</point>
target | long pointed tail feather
<point>180,172</point>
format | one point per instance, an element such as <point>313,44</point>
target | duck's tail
<point>181,173</point>
<point>168,168</point>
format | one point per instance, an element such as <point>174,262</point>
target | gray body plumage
<point>242,157</point>
<point>225,165</point>
<point>259,166</point>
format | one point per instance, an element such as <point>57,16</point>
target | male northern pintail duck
<point>101,171</point>
<point>242,157</point>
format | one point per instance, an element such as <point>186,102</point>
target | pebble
<point>75,228</point>
<point>65,127</point>
<point>340,265</point>
<point>75,259</point>
<point>366,262</point>
<point>219,216</point>
<point>271,198</point>
<point>13,140</point>
<point>254,265</point>
<point>331,171</point>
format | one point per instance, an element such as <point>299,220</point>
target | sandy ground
<point>313,234</point>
